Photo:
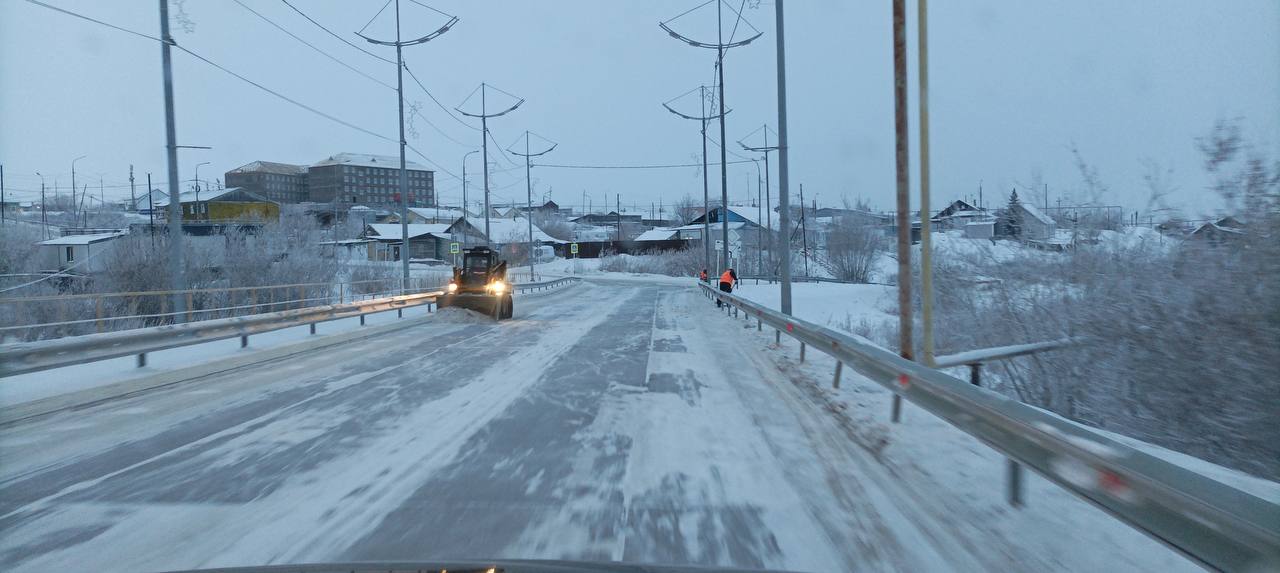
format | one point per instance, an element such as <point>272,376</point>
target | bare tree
<point>687,209</point>
<point>853,248</point>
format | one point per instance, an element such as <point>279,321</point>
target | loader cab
<point>480,269</point>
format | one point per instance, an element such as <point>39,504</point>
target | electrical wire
<point>313,47</point>
<point>375,16</point>
<point>433,98</point>
<point>669,166</point>
<point>330,32</point>
<point>83,17</point>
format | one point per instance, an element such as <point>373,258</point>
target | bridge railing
<point>1219,526</point>
<point>24,357</point>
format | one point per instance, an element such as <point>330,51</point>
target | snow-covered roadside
<point>839,306</point>
<point>24,388</point>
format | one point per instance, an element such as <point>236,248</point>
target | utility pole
<point>784,202</point>
<point>133,192</point>
<point>765,149</point>
<point>73,188</point>
<point>528,166</point>
<point>618,212</point>
<point>465,218</point>
<point>484,116</point>
<point>903,216</point>
<point>706,200</point>
<point>720,46</point>
<point>44,220</point>
<point>177,264</point>
<point>404,173</point>
<point>2,203</point>
<point>151,210</point>
<point>804,233</point>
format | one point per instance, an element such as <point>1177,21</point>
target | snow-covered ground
<point>615,420</point>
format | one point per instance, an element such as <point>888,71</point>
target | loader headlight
<point>453,287</point>
<point>497,287</point>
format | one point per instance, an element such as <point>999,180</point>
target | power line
<point>286,98</point>
<point>313,47</point>
<point>433,98</point>
<point>340,38</point>
<point>668,166</point>
<point>352,68</point>
<point>83,17</point>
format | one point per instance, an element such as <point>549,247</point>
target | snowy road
<point>618,421</point>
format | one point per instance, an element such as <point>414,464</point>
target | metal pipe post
<point>926,263</point>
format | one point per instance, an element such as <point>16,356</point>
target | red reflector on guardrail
<point>903,380</point>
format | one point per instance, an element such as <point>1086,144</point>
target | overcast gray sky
<point>1014,85</point>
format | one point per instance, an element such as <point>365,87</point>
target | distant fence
<point>597,249</point>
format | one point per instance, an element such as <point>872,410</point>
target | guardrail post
<point>98,310</point>
<point>835,382</point>
<point>399,313</point>
<point>1013,475</point>
<point>142,359</point>
<point>777,337</point>
<point>361,320</point>
<point>975,373</point>
<point>429,305</point>
<point>759,325</point>
<point>313,328</point>
<point>896,415</point>
<point>302,297</point>
<point>189,305</point>
<point>802,345</point>
<point>244,340</point>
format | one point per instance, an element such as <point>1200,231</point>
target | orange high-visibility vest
<point>702,276</point>
<point>726,278</point>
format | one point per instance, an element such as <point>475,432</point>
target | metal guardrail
<point>543,285</point>
<point>1219,526</point>
<point>24,357</point>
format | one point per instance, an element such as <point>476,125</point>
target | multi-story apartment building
<point>345,178</point>
<point>279,182</point>
<point>362,179</point>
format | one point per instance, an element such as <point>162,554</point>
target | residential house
<point>83,253</point>
<point>222,206</point>
<point>1036,226</point>
<point>1226,230</point>
<point>957,215</point>
<point>431,215</point>
<point>426,241</point>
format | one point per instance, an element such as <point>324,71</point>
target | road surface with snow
<point>609,421</point>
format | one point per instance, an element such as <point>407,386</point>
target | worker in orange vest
<point>702,276</point>
<point>727,281</point>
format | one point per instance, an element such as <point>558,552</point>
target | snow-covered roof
<point>270,167</point>
<point>511,230</point>
<point>82,239</point>
<point>733,226</point>
<point>391,231</point>
<point>368,160</point>
<point>228,194</point>
<point>658,234</point>
<point>442,213</point>
<point>1034,212</point>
